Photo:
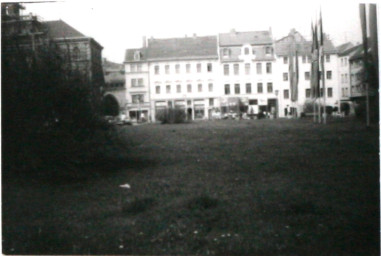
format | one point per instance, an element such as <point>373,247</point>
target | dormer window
<point>247,51</point>
<point>268,50</point>
<point>137,55</point>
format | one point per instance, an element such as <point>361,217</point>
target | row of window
<point>136,67</point>
<point>307,59</point>
<point>247,69</point>
<point>209,68</point>
<point>137,82</point>
<point>344,78</point>
<point>139,98</point>
<point>307,75</point>
<point>226,52</point>
<point>345,92</point>
<point>237,88</point>
<point>168,88</point>
<point>344,62</point>
<point>329,92</point>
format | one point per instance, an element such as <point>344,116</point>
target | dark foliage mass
<point>50,109</point>
<point>171,116</point>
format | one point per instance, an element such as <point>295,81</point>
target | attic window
<point>268,50</point>
<point>247,51</point>
<point>137,55</point>
<point>253,52</point>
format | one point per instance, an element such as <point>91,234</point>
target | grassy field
<point>252,187</point>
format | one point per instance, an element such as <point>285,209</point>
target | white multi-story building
<point>232,72</point>
<point>175,72</point>
<point>345,51</point>
<point>247,71</point>
<point>303,48</point>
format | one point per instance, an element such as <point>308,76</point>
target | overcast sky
<point>119,25</point>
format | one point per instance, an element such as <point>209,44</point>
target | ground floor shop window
<point>139,115</point>
<point>199,112</point>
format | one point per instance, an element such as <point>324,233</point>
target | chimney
<point>233,31</point>
<point>194,35</point>
<point>144,42</point>
<point>185,35</point>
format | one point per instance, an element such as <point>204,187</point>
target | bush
<point>49,111</point>
<point>171,116</point>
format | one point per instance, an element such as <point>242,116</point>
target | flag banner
<point>314,80</point>
<point>293,70</point>
<point>295,80</point>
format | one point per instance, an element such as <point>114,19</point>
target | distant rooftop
<point>303,46</point>
<point>176,49</point>
<point>60,29</point>
<point>240,38</point>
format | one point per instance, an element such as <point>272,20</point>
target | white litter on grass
<point>125,186</point>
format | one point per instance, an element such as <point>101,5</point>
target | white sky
<point>118,25</point>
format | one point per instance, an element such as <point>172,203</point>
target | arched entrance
<point>110,106</point>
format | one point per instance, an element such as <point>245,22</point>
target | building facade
<point>114,91</point>
<point>235,72</point>
<point>176,72</point>
<point>28,34</point>
<point>247,61</point>
<point>303,48</point>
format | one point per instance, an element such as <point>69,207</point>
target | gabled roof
<point>176,49</point>
<point>351,51</point>
<point>129,56</point>
<point>111,66</point>
<point>303,46</point>
<point>205,46</point>
<point>235,38</point>
<point>357,52</point>
<point>343,47</point>
<point>60,29</point>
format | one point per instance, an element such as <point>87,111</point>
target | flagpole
<point>323,83</point>
<point>319,111</point>
<point>365,61</point>
<point>314,106</point>
<point>322,68</point>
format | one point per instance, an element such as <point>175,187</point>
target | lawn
<point>250,187</point>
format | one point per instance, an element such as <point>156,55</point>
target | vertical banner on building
<point>294,91</point>
<point>293,70</point>
<point>315,90</point>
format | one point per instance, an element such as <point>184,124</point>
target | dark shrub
<point>329,110</point>
<point>171,116</point>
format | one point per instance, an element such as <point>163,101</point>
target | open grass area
<point>250,187</point>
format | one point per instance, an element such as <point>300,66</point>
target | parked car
<point>123,120</point>
<point>118,120</point>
